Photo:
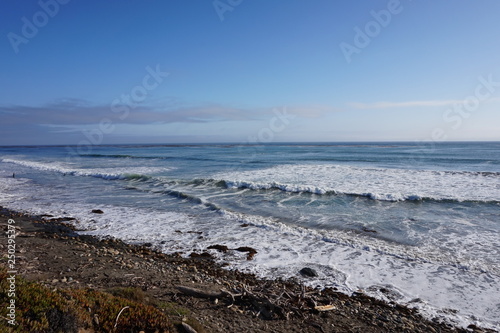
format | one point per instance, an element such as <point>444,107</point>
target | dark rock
<point>383,318</point>
<point>474,328</point>
<point>97,211</point>
<point>246,249</point>
<point>244,225</point>
<point>60,219</point>
<point>251,251</point>
<point>365,229</point>
<point>201,255</point>
<point>306,271</point>
<point>148,244</point>
<point>221,248</point>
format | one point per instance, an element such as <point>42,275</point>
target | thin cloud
<point>312,111</point>
<point>77,112</point>
<point>387,105</point>
<point>410,104</point>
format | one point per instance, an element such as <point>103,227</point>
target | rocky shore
<point>195,294</point>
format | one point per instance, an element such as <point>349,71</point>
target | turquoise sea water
<point>420,220</point>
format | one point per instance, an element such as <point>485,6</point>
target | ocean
<point>410,223</point>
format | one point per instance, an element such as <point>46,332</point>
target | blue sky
<point>76,71</point>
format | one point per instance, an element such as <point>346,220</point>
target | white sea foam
<point>466,281</point>
<point>105,173</point>
<point>375,183</point>
<point>345,261</point>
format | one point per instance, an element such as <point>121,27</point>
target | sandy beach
<point>193,293</point>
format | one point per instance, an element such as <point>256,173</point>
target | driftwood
<point>119,314</point>
<point>259,300</point>
<point>199,293</point>
<point>323,308</point>
<point>188,329</point>
<point>266,301</point>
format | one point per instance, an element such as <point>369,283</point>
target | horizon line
<point>255,143</point>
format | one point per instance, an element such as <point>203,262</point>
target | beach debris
<point>22,234</point>
<point>244,225</point>
<point>119,314</point>
<point>187,328</point>
<point>218,247</point>
<point>97,211</point>
<point>199,293</point>
<point>61,219</point>
<point>323,308</point>
<point>309,272</point>
<point>96,320</point>
<point>257,298</point>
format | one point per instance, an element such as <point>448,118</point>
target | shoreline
<point>52,254</point>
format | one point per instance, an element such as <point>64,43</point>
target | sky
<point>77,72</point>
